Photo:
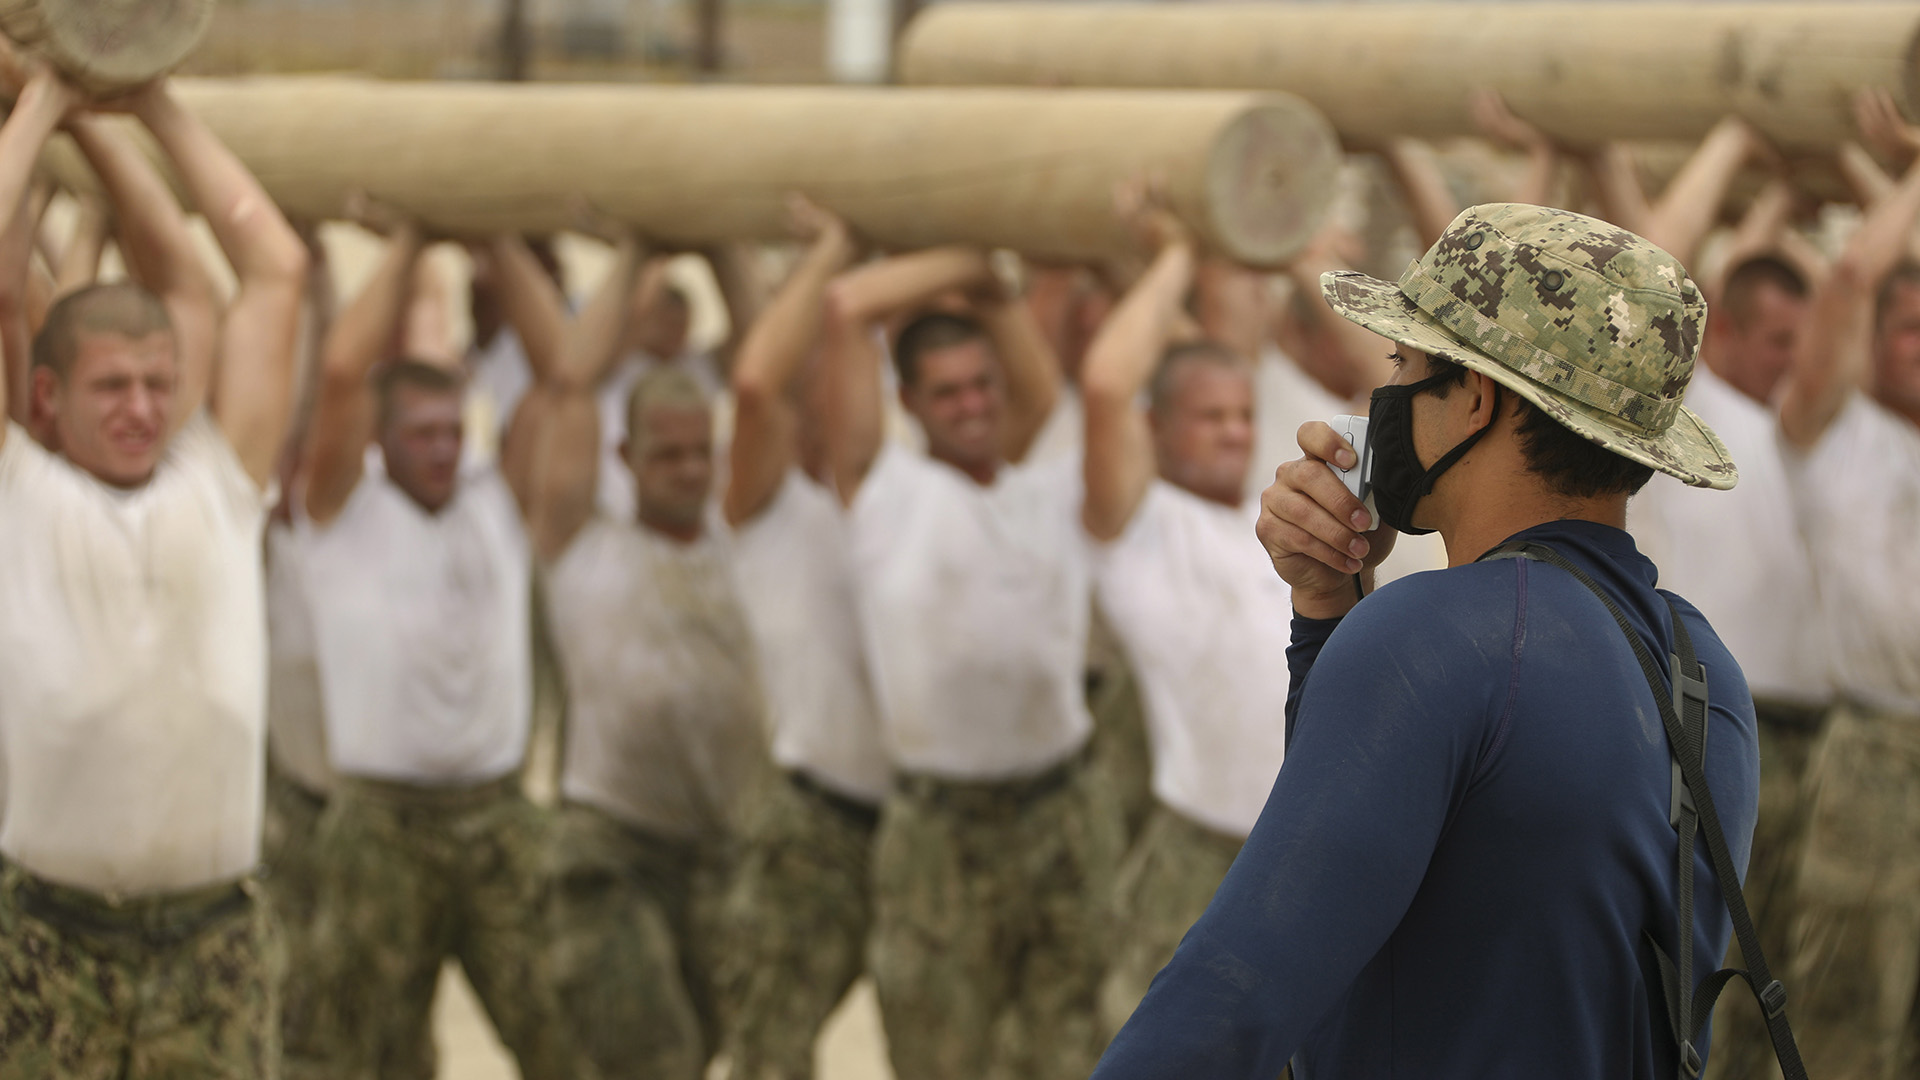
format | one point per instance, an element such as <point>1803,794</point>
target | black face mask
<point>1397,480</point>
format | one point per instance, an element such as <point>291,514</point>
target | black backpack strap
<point>1683,711</point>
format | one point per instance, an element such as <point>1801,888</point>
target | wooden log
<point>107,46</point>
<point>1252,174</point>
<point>1584,72</point>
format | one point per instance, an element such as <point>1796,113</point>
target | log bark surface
<point>1252,174</point>
<point>1584,72</point>
<point>107,46</point>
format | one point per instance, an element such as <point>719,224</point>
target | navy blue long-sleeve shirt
<point>1468,840</point>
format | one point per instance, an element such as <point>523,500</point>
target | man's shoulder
<point>1472,610</point>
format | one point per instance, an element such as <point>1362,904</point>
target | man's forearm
<point>256,238</point>
<point>153,230</point>
<point>594,343</point>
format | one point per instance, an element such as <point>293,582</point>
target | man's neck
<point>679,532</point>
<point>1908,411</point>
<point>982,473</point>
<point>1477,530</point>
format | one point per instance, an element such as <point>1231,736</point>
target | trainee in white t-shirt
<point>796,585</point>
<point>1739,555</point>
<point>132,668</point>
<point>422,632</point>
<point>296,718</point>
<point>1205,622</point>
<point>1858,496</point>
<point>974,606</point>
<point>664,728</point>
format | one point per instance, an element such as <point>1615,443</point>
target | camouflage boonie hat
<point>1592,324</point>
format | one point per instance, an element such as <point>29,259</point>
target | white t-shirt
<point>1858,496</point>
<point>974,605</point>
<point>796,583</point>
<point>1065,432</point>
<point>422,626</point>
<point>1285,397</point>
<point>1205,622</point>
<point>664,712</point>
<point>1738,555</point>
<point>132,668</point>
<point>296,718</point>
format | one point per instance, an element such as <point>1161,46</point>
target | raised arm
<point>1363,355</point>
<point>43,103</point>
<point>344,411</point>
<point>742,293</point>
<point>1690,206</point>
<point>558,431</point>
<point>253,380</point>
<point>1232,308</point>
<point>1027,360</point>
<point>80,259</point>
<point>1417,171</point>
<point>857,302</point>
<point>159,253</point>
<point>531,304</point>
<point>1613,174</point>
<point>881,290</point>
<point>1835,349</point>
<point>1119,459</point>
<point>770,358</point>
<point>1499,123</point>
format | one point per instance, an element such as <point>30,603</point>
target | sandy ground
<point>852,1047</point>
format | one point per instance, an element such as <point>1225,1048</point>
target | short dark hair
<point>121,308</point>
<point>1904,273</point>
<point>1570,463</point>
<point>931,332</point>
<point>1736,296</point>
<point>1160,388</point>
<point>415,374</point>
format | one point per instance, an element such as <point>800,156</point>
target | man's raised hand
<point>1314,529</point>
<point>1885,130</point>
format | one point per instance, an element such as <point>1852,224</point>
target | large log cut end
<point>1271,181</point>
<point>1032,170</point>
<point>108,46</point>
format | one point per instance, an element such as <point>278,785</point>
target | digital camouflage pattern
<point>628,947</point>
<point>171,988</point>
<point>1119,746</point>
<point>795,920</point>
<point>1592,324</point>
<point>290,879</point>
<point>1856,962</point>
<point>1742,1049</point>
<point>412,877</point>
<point>1165,885</point>
<point>992,928</point>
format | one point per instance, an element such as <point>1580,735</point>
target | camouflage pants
<point>178,987</point>
<point>629,951</point>
<point>1165,884</point>
<point>1857,937</point>
<point>1119,748</point>
<point>411,877</point>
<point>796,920</point>
<point>991,925</point>
<point>1742,1049</point>
<point>290,880</point>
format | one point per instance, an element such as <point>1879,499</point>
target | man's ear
<point>44,386</point>
<point>1489,399</point>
